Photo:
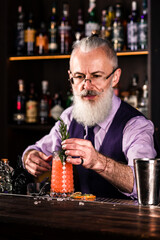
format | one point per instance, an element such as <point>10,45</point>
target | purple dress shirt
<point>137,139</point>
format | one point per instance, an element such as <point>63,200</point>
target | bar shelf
<point>50,57</point>
<point>31,127</point>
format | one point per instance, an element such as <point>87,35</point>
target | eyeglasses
<point>96,77</point>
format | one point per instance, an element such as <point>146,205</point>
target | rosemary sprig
<point>64,135</point>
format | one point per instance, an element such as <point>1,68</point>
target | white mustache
<point>84,93</point>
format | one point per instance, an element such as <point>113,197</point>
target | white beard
<point>90,113</point>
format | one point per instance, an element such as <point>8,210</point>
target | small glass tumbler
<point>62,183</point>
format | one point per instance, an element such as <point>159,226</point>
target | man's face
<point>92,99</point>
<point>92,64</point>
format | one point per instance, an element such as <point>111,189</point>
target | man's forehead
<point>94,72</point>
<point>91,67</point>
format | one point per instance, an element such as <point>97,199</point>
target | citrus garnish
<point>80,196</point>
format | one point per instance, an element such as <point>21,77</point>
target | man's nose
<point>87,83</point>
<point>87,79</point>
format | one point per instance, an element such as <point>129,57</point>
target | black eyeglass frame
<point>72,82</point>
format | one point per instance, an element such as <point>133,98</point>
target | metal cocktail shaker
<point>147,172</point>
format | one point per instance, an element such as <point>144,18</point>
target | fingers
<point>36,163</point>
<point>44,157</point>
<point>40,159</point>
<point>81,142</point>
<point>78,149</point>
<point>33,171</point>
<point>76,145</point>
<point>49,158</point>
<point>75,161</point>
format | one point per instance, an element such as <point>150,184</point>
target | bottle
<point>69,99</point>
<point>132,29</point>
<point>79,31</point>
<point>57,107</point>
<point>50,119</point>
<point>64,31</point>
<point>143,28</point>
<point>2,177</point>
<point>53,32</point>
<point>29,36</point>
<point>103,32</point>
<point>41,40</point>
<point>143,100</point>
<point>32,106</point>
<point>124,95</point>
<point>134,91</point>
<point>19,112</point>
<point>92,24</point>
<point>44,104</point>
<point>20,32</point>
<point>117,29</point>
<point>109,22</point>
<point>7,180</point>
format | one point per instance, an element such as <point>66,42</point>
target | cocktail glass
<point>62,183</point>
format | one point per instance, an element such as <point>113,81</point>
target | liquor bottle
<point>109,22</point>
<point>57,106</point>
<point>79,30</point>
<point>41,40</point>
<point>143,100</point>
<point>132,29</point>
<point>64,31</point>
<point>20,32</point>
<point>7,180</point>
<point>103,32</point>
<point>134,91</point>
<point>53,32</point>
<point>32,106</point>
<point>143,28</point>
<point>2,177</point>
<point>49,99</point>
<point>5,176</point>
<point>43,104</point>
<point>124,95</point>
<point>29,36</point>
<point>69,99</point>
<point>92,24</point>
<point>117,29</point>
<point>19,113</point>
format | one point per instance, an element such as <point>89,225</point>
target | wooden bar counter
<point>24,217</point>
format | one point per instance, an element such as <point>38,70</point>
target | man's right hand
<point>36,162</point>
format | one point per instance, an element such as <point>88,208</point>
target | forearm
<point>118,174</point>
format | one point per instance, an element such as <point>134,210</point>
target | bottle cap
<point>20,81</point>
<point>134,5</point>
<point>5,160</point>
<point>20,9</point>
<point>44,85</point>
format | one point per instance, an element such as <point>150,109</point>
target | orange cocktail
<point>61,178</point>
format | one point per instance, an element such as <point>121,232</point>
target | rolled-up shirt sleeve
<point>138,142</point>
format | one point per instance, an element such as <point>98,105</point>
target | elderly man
<point>106,134</point>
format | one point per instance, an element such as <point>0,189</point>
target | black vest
<point>90,181</point>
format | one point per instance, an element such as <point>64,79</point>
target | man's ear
<point>116,77</point>
<point>69,74</point>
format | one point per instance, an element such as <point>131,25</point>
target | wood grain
<point>36,218</point>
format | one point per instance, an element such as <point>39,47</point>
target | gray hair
<point>90,43</point>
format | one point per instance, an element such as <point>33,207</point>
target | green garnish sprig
<point>64,135</point>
